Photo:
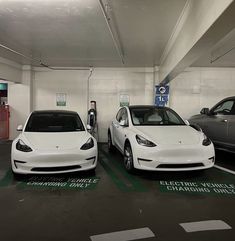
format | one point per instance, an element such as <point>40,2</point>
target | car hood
<point>170,135</point>
<point>198,116</point>
<point>55,140</point>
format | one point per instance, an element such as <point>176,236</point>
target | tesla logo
<point>180,142</point>
<point>57,147</point>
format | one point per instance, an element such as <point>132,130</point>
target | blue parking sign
<point>162,95</point>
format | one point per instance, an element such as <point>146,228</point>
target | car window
<point>54,122</point>
<point>122,116</point>
<point>119,115</point>
<point>172,118</point>
<point>154,116</point>
<point>224,108</point>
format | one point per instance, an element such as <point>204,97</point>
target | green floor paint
<point>49,182</point>
<point>136,185</point>
<point>7,179</point>
<point>207,188</point>
<point>121,185</point>
<point>218,183</point>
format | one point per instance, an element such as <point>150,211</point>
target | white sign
<point>124,100</point>
<point>60,99</point>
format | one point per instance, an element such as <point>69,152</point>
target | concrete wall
<point>189,92</point>
<point>196,88</point>
<point>105,87</point>
<point>19,100</point>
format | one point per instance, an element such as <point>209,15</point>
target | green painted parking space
<point>208,188</point>
<point>60,183</point>
<point>207,182</point>
<point>51,182</point>
<point>7,179</point>
<point>113,166</point>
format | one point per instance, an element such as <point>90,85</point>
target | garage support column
<point>155,80</point>
<point>20,99</point>
<point>201,25</point>
<point>28,79</point>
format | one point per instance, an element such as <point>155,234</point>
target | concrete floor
<point>118,202</point>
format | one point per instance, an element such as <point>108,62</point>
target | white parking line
<point>205,226</point>
<point>224,169</point>
<point>133,234</point>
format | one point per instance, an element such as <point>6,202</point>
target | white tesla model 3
<point>157,139</point>
<point>53,142</point>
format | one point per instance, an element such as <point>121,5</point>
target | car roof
<point>148,106</point>
<point>229,98</point>
<point>54,112</point>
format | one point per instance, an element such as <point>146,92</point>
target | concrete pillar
<point>20,99</point>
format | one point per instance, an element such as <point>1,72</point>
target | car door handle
<point>224,120</point>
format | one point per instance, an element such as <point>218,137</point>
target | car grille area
<point>55,169</point>
<point>190,165</point>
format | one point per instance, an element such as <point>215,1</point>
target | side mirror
<point>187,122</point>
<point>19,128</point>
<point>205,111</point>
<point>123,123</point>
<point>88,127</point>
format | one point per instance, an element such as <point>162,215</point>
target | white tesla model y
<point>53,142</point>
<point>158,139</point>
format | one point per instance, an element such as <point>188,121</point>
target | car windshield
<point>154,116</point>
<point>54,122</point>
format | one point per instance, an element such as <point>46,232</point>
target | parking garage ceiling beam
<point>203,23</point>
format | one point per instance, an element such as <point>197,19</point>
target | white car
<point>157,139</point>
<point>53,142</point>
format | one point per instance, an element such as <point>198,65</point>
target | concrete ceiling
<point>74,33</point>
<point>221,55</point>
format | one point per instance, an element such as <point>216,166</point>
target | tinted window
<point>122,116</point>
<point>54,122</point>
<point>224,108</point>
<point>155,116</point>
<point>119,115</point>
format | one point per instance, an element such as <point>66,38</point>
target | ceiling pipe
<point>15,52</point>
<point>40,61</point>
<point>115,40</point>
<point>222,55</point>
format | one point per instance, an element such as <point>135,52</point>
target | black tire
<point>110,143</point>
<point>128,159</point>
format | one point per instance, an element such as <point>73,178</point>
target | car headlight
<point>206,141</point>
<point>88,145</point>
<point>21,146</point>
<point>144,142</point>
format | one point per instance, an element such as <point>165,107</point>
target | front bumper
<point>47,162</point>
<point>174,158</point>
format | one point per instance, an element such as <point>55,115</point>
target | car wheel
<point>128,159</point>
<point>110,143</point>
